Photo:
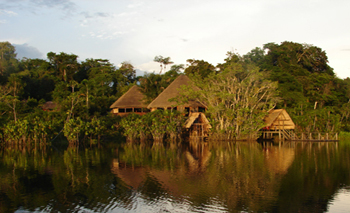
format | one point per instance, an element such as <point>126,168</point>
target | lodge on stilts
<point>197,126</point>
<point>279,125</point>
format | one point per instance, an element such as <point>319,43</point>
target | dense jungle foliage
<point>238,93</point>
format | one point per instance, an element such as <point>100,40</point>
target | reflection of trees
<point>58,181</point>
<point>235,174</point>
<point>16,161</point>
<point>299,177</point>
<point>318,172</point>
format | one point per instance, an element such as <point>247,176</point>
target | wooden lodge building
<point>278,122</point>
<point>172,91</point>
<point>130,102</point>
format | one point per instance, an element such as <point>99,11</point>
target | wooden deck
<point>288,135</point>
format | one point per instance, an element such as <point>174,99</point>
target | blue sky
<point>138,30</point>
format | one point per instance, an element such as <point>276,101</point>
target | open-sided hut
<point>278,119</point>
<point>172,91</point>
<point>130,102</point>
<point>197,125</point>
<point>278,122</point>
<point>50,106</point>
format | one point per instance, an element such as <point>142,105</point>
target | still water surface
<point>215,177</point>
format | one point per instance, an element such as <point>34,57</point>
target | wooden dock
<point>289,135</point>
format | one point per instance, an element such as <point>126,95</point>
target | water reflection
<point>241,176</point>
<point>194,177</point>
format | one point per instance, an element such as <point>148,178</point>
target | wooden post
<point>310,137</point>
<point>279,134</point>
<point>327,135</point>
<point>279,130</point>
<point>336,136</point>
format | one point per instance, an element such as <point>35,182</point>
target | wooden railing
<point>315,136</point>
<point>290,135</point>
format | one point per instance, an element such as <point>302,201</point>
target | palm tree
<point>163,62</point>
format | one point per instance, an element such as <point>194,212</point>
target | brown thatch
<point>278,119</point>
<point>50,106</point>
<point>133,98</point>
<point>197,125</point>
<point>197,117</point>
<point>172,91</point>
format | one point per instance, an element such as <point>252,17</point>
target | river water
<point>187,177</point>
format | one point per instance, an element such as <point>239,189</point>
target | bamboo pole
<point>279,130</point>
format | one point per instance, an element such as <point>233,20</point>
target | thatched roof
<point>172,91</point>
<point>197,115</point>
<point>49,105</point>
<point>133,98</point>
<point>279,119</point>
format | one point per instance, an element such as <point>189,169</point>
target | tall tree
<point>164,61</point>
<point>8,61</point>
<point>65,64</point>
<point>128,70</point>
<point>302,71</point>
<point>237,99</point>
<point>199,67</point>
<point>39,79</point>
<point>153,84</point>
<point>12,91</point>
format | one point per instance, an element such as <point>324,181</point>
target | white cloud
<point>136,4</point>
<point>139,30</point>
<point>8,12</point>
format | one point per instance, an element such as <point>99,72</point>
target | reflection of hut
<point>197,125</point>
<point>50,106</point>
<point>278,122</point>
<point>279,159</point>
<point>133,177</point>
<point>130,102</point>
<point>198,157</point>
<point>172,91</point>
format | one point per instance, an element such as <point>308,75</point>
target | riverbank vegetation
<point>238,94</point>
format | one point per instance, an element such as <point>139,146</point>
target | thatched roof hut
<point>131,101</point>
<point>197,117</point>
<point>172,91</point>
<point>278,119</point>
<point>50,106</point>
<point>197,125</point>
